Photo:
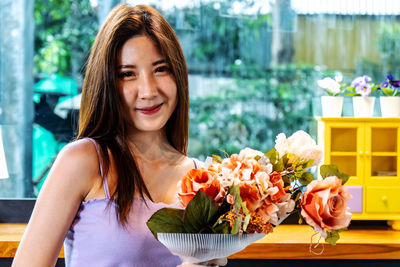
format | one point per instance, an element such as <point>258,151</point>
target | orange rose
<point>276,180</point>
<point>251,195</point>
<point>199,179</point>
<point>324,205</point>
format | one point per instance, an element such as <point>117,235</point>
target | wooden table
<point>286,242</point>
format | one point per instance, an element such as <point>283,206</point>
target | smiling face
<point>146,84</point>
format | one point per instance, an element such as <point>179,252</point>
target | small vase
<point>363,106</point>
<point>332,106</point>
<point>390,106</point>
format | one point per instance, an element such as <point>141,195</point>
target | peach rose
<point>199,179</point>
<point>324,205</point>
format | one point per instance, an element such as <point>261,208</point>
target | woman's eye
<point>162,69</point>
<point>126,74</point>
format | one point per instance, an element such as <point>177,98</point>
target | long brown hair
<point>101,114</point>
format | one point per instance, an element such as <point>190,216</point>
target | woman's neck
<point>151,146</point>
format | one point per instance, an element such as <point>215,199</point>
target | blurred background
<point>253,67</point>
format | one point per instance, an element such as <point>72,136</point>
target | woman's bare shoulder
<point>79,158</point>
<point>82,150</point>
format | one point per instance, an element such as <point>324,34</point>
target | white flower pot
<point>363,106</point>
<point>332,106</point>
<point>390,106</point>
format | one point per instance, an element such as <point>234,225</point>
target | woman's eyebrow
<point>155,63</point>
<point>159,62</point>
<point>127,67</point>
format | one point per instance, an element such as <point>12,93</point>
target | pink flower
<point>324,205</point>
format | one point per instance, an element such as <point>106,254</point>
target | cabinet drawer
<point>383,199</point>
<point>356,202</point>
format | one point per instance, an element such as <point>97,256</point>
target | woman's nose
<point>147,87</point>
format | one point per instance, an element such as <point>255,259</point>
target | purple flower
<point>363,89</point>
<point>360,80</point>
<point>395,84</point>
<point>390,77</point>
<point>384,84</point>
<point>366,78</point>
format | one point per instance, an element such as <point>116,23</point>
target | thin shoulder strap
<point>197,163</point>
<point>105,183</point>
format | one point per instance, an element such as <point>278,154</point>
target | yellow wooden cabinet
<point>368,150</point>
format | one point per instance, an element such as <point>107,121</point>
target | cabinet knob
<point>367,152</point>
<point>361,152</point>
<point>384,199</point>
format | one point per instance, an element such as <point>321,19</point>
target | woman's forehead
<point>139,49</point>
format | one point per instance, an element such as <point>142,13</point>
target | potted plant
<point>332,104</point>
<point>361,89</point>
<point>390,102</point>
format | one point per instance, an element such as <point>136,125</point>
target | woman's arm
<point>70,179</point>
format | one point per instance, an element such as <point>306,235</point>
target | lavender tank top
<point>96,239</point>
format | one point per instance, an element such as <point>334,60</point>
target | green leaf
<point>328,170</point>
<point>332,237</point>
<point>236,225</point>
<point>246,222</point>
<point>332,170</point>
<point>235,192</point>
<point>286,180</point>
<point>306,178</point>
<point>244,207</point>
<point>221,227</point>
<point>279,165</point>
<point>217,158</point>
<point>166,220</point>
<point>272,155</point>
<point>308,163</point>
<point>387,91</point>
<point>199,213</point>
<point>374,88</point>
<point>257,157</point>
<point>285,160</point>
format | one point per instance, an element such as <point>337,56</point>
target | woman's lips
<point>150,110</point>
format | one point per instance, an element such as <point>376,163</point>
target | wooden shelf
<point>286,242</point>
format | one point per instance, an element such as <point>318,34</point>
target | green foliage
<point>388,44</point>
<point>218,37</point>
<point>252,111</point>
<point>64,32</point>
<point>333,236</point>
<point>199,213</point>
<point>306,178</point>
<point>196,218</point>
<point>166,220</point>
<point>332,170</point>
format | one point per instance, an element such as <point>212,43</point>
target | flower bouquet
<point>233,202</point>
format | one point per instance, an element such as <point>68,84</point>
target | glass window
<point>253,68</point>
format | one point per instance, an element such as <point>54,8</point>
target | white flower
<point>300,145</point>
<point>249,153</point>
<point>339,77</point>
<point>330,85</point>
<point>281,144</point>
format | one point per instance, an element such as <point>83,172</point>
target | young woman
<point>129,154</point>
